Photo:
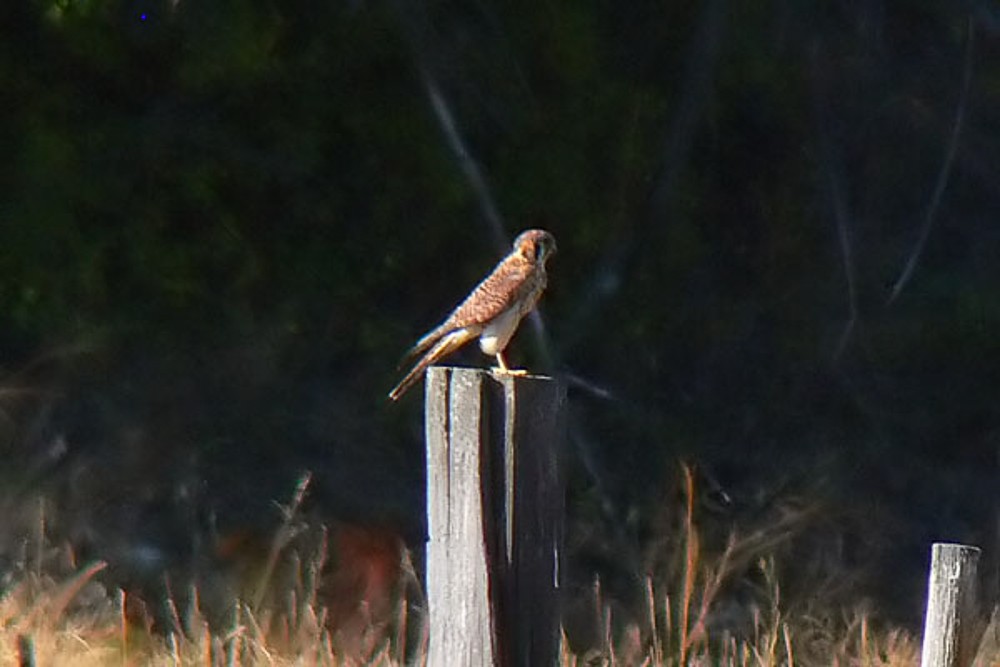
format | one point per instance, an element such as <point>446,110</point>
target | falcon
<point>493,310</point>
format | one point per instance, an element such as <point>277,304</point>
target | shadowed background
<point>222,224</point>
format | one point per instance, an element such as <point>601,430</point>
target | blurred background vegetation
<point>221,224</point>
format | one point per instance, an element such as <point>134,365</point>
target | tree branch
<point>943,174</point>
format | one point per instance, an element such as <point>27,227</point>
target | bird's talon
<point>518,372</point>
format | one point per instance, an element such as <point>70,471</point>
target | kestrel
<point>493,310</point>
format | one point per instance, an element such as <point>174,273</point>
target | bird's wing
<point>445,346</point>
<point>431,337</point>
<point>495,294</point>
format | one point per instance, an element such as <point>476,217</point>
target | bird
<point>491,312</point>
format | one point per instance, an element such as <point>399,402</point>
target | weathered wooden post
<point>494,515</point>
<point>950,626</point>
<point>25,651</point>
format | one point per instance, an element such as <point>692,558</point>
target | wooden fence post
<point>494,516</point>
<point>951,626</point>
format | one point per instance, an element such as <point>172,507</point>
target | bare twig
<point>468,165</point>
<point>51,608</point>
<point>943,174</point>
<point>283,536</point>
<point>847,257</point>
<point>832,176</point>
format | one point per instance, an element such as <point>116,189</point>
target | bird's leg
<point>503,369</point>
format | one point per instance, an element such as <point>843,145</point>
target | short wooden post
<point>494,515</point>
<point>950,627</point>
<point>25,651</point>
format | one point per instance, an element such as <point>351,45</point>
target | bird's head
<point>535,245</point>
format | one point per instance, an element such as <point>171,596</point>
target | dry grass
<point>684,600</point>
<point>282,617</point>
<point>70,618</point>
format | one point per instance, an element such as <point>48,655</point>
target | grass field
<point>289,609</point>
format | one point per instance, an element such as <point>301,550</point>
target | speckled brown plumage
<point>493,310</point>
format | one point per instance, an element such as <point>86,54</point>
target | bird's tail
<point>448,344</point>
<point>423,344</point>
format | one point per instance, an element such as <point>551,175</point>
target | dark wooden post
<point>951,630</point>
<point>494,515</point>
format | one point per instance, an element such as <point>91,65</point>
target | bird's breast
<point>498,332</point>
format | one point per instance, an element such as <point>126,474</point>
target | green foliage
<point>180,162</point>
